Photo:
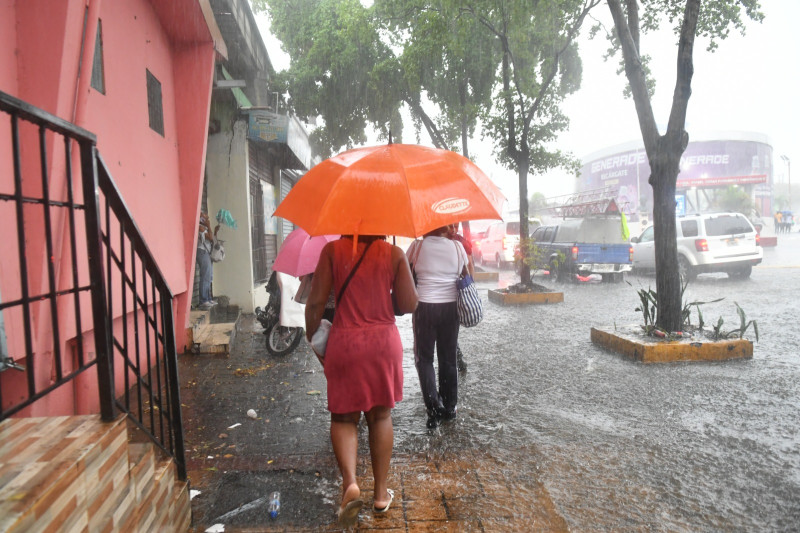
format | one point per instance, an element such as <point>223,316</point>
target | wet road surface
<point>552,430</point>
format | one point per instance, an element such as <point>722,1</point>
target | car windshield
<point>727,225</point>
<point>512,228</point>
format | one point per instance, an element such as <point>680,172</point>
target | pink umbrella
<point>299,253</point>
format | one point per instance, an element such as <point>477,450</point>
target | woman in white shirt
<point>437,262</point>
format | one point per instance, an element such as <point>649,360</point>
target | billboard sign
<point>680,205</point>
<point>704,164</point>
<point>268,126</point>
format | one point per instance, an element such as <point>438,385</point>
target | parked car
<point>711,242</point>
<point>499,243</point>
<point>475,238</point>
<point>583,246</point>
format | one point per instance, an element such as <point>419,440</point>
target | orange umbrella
<point>393,189</point>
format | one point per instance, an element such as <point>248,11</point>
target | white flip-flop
<point>385,508</point>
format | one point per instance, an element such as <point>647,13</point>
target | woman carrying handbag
<point>437,263</point>
<point>363,356</point>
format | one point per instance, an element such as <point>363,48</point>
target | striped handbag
<point>470,308</point>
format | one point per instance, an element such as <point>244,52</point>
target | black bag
<point>395,307</point>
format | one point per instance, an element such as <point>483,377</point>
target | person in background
<point>454,235</point>
<point>363,359</point>
<point>205,242</point>
<point>437,262</point>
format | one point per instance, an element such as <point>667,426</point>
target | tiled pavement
<point>287,448</point>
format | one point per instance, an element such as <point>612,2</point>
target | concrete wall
<point>160,177</point>
<point>228,188</point>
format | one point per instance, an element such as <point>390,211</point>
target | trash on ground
<point>236,425</point>
<point>252,413</point>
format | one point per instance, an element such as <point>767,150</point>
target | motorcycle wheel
<point>282,340</point>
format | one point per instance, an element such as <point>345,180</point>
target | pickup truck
<point>583,246</point>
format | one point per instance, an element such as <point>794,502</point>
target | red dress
<point>364,355</point>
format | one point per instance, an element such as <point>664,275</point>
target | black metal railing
<point>79,287</point>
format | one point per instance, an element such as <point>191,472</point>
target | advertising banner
<point>704,164</point>
<point>268,197</point>
<point>268,126</point>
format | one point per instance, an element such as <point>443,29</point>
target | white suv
<point>499,242</point>
<point>715,242</point>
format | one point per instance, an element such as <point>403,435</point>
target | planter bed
<point>486,276</point>
<point>545,296</point>
<point>631,342</point>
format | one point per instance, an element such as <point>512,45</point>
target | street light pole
<point>789,178</point>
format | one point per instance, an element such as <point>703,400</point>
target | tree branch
<point>636,78</point>
<point>430,126</point>
<point>683,82</point>
<point>545,86</point>
<point>633,23</point>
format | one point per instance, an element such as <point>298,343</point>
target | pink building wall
<point>160,178</point>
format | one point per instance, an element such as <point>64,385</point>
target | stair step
<point>214,338</point>
<point>142,458</point>
<point>77,473</point>
<point>50,466</point>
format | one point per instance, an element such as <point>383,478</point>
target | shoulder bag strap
<point>413,264</point>
<point>350,276</point>
<point>463,270</point>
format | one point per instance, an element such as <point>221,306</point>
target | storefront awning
<point>266,126</point>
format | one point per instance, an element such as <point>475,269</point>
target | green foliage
<point>341,70</point>
<point>782,202</point>
<point>648,306</point>
<point>716,19</point>
<point>537,203</point>
<point>534,258</point>
<point>444,57</point>
<point>734,199</point>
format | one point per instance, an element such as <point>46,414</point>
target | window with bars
<point>154,105</point>
<point>98,73</point>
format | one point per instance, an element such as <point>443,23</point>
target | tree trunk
<point>663,152</point>
<point>465,153</point>
<point>523,163</point>
<point>664,168</point>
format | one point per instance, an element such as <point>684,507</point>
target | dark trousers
<point>436,325</point>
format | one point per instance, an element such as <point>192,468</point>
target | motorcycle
<point>281,340</point>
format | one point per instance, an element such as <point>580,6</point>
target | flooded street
<point>553,433</point>
<point>622,445</point>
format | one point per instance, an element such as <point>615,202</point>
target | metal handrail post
<point>171,355</point>
<point>100,315</point>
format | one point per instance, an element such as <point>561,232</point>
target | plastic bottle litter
<point>274,504</point>
<point>252,413</point>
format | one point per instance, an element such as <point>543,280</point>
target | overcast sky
<point>749,84</point>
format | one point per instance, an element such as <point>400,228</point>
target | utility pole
<point>789,178</point>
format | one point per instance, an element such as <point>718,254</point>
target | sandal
<point>386,507</point>
<point>347,516</point>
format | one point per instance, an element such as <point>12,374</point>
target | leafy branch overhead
<point>498,66</point>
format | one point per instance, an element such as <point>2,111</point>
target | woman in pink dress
<point>363,359</point>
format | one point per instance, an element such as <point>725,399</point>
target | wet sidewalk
<point>236,462</point>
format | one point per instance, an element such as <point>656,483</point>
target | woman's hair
<point>366,238</point>
<point>437,231</point>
